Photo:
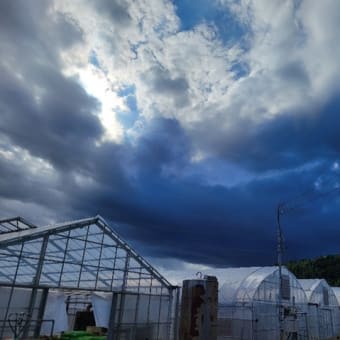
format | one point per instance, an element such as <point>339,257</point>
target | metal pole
<point>36,281</point>
<point>41,311</point>
<point>159,313</point>
<point>111,332</point>
<point>122,296</point>
<point>279,262</point>
<point>13,283</point>
<point>176,316</point>
<point>170,306</point>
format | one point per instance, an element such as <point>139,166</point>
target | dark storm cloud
<point>294,73</point>
<point>168,216</point>
<point>17,183</point>
<point>17,17</point>
<point>237,226</point>
<point>42,110</point>
<point>211,224</point>
<point>124,173</point>
<point>116,10</point>
<point>162,145</point>
<point>232,224</point>
<point>283,142</point>
<point>172,217</point>
<point>162,83</point>
<point>49,125</point>
<point>26,33</point>
<point>66,31</point>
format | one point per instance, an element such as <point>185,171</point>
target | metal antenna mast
<point>286,207</point>
<point>279,212</point>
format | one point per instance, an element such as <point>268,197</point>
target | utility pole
<point>282,209</point>
<point>279,212</point>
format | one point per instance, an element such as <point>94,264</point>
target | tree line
<point>325,267</point>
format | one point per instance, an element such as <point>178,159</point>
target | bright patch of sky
<point>93,59</point>
<point>98,85</point>
<point>227,25</point>
<point>129,116</point>
<point>240,70</point>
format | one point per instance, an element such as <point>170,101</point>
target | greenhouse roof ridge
<point>13,224</point>
<point>310,284</point>
<point>34,233</point>
<point>38,230</point>
<point>336,291</point>
<point>241,284</point>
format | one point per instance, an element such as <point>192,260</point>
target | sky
<point>182,123</point>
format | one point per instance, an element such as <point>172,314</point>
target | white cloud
<point>291,61</point>
<point>149,51</point>
<point>32,212</point>
<point>293,53</point>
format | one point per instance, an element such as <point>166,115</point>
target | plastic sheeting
<point>249,304</point>
<point>318,291</point>
<point>247,285</point>
<point>336,291</point>
<point>55,310</point>
<point>323,307</point>
<point>101,304</point>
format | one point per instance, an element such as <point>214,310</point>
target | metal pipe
<point>176,313</point>
<point>41,311</point>
<point>36,281</point>
<point>111,332</point>
<point>279,262</point>
<point>123,293</point>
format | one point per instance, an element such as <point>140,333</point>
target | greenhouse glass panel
<point>83,264</point>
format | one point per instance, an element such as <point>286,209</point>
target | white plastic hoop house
<point>249,304</point>
<point>322,308</point>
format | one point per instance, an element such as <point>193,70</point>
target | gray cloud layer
<point>53,155</point>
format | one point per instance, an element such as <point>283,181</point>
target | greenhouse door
<point>266,322</point>
<point>325,323</point>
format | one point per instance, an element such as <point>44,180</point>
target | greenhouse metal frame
<point>81,258</point>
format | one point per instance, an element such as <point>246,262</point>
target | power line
<point>308,196</point>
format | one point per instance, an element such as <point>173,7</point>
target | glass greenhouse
<point>323,308</point>
<point>68,276</point>
<point>249,305</point>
